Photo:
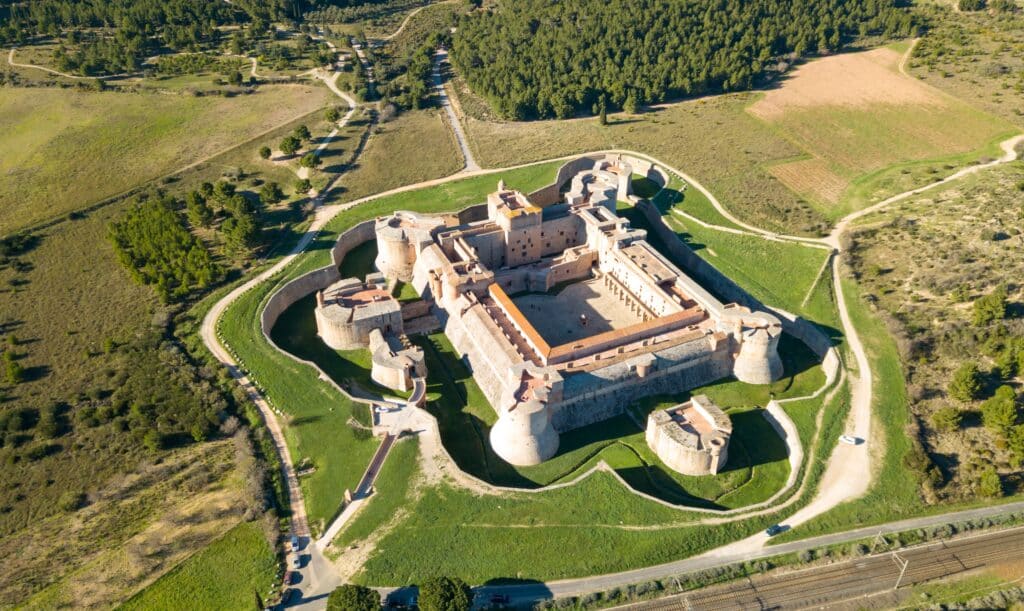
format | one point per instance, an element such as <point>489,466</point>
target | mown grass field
<point>66,149</point>
<point>228,574</point>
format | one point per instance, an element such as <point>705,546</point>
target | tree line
<point>541,59</point>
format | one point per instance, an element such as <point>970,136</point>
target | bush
<point>947,419</point>
<point>999,413</point>
<point>989,484</point>
<point>350,597</point>
<point>445,594</point>
<point>966,382</point>
<point>990,307</point>
<point>71,501</point>
<point>971,5</point>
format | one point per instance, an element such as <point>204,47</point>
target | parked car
<point>295,543</point>
<point>296,561</point>
<point>849,440</point>
<point>774,529</point>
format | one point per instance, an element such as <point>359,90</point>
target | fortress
<point>564,312</point>
<point>691,438</point>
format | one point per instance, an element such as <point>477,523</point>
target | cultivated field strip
<point>853,579</point>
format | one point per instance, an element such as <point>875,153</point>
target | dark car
<point>500,599</point>
<point>774,529</point>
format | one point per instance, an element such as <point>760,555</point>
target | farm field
<point>869,130</point>
<point>226,575</point>
<point>67,149</point>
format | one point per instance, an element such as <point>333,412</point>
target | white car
<point>849,439</point>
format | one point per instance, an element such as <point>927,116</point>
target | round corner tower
<point>758,360</point>
<point>523,435</point>
<point>396,254</point>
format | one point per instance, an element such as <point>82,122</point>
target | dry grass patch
<point>712,139</point>
<point>812,178</point>
<point>415,146</point>
<point>64,150</point>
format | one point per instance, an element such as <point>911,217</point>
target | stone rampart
<point>550,194</point>
<point>727,290</point>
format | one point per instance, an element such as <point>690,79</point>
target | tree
<point>303,185</point>
<point>333,114</point>
<point>310,160</point>
<point>999,412</point>
<point>302,133</point>
<point>947,419</point>
<point>265,152</point>
<point>350,597</point>
<point>631,105</point>
<point>271,193</point>
<point>603,111</point>
<point>989,484</point>
<point>198,211</point>
<point>445,594</point>
<point>966,382</point>
<point>990,307</point>
<point>971,5</point>
<point>13,370</point>
<point>235,78</point>
<point>290,145</point>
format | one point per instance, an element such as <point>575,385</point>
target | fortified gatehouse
<point>566,314</point>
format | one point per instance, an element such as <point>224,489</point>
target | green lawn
<point>524,535</point>
<point>228,574</point>
<point>317,415</point>
<point>392,494</point>
<point>465,418</point>
<point>66,149</point>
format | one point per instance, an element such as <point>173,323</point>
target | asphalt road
<point>524,594</point>
<point>857,582</point>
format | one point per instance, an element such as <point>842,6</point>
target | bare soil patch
<point>852,80</point>
<point>811,178</point>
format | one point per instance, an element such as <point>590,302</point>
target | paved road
<point>864,582</point>
<point>471,165</point>
<point>578,587</point>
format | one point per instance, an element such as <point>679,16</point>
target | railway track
<point>833,584</point>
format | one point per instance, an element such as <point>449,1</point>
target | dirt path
<point>469,162</point>
<point>405,21</point>
<point>10,60</point>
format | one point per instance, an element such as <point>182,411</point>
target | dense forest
<point>153,244</point>
<point>543,58</point>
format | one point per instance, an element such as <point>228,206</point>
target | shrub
<point>71,501</point>
<point>947,419</point>
<point>971,5</point>
<point>265,152</point>
<point>990,307</point>
<point>999,412</point>
<point>445,594</point>
<point>350,597</point>
<point>966,382</point>
<point>989,484</point>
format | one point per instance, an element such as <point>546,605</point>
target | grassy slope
<point>713,139</point>
<point>416,146</point>
<point>225,575</point>
<point>66,149</point>
<point>318,414</point>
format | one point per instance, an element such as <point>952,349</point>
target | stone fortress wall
<point>664,371</point>
<point>691,438</point>
<point>685,337</point>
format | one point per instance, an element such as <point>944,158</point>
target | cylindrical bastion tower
<point>523,435</point>
<point>758,360</point>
